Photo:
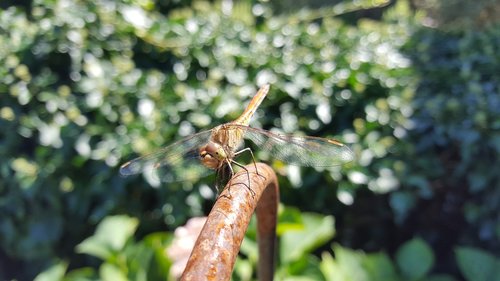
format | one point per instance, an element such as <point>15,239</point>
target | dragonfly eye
<point>204,154</point>
<point>212,152</point>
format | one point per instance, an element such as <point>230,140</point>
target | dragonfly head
<point>212,155</point>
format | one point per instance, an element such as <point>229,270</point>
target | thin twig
<point>219,242</point>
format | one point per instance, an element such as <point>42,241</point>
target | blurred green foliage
<point>123,258</point>
<point>455,142</point>
<point>126,259</point>
<point>460,14</point>
<point>87,85</point>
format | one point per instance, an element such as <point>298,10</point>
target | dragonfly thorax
<point>212,155</point>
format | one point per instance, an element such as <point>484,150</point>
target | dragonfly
<point>201,154</point>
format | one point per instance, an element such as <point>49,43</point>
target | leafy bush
<point>87,85</point>
<point>126,259</point>
<point>123,258</point>
<point>448,170</point>
<point>461,14</point>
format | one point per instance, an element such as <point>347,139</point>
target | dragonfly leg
<point>219,176</point>
<point>223,176</point>
<point>248,176</point>
<point>231,174</point>
<point>253,158</point>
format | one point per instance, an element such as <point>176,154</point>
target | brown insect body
<point>222,146</point>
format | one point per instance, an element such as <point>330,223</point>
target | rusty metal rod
<point>267,218</point>
<point>217,247</point>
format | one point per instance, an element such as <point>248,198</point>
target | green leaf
<point>290,219</point>
<point>477,265</point>
<point>160,267</point>
<point>414,258</point>
<point>402,202</point>
<point>243,269</point>
<point>304,269</point>
<point>315,231</point>
<point>53,273</point>
<point>379,267</point>
<point>93,247</point>
<point>109,272</point>
<point>329,267</point>
<point>250,249</point>
<point>351,263</point>
<point>81,274</point>
<point>111,235</point>
<point>139,258</point>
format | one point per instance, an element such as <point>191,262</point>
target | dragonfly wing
<point>177,162</point>
<point>301,150</point>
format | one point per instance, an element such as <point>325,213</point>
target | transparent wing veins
<point>175,162</point>
<point>301,150</point>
